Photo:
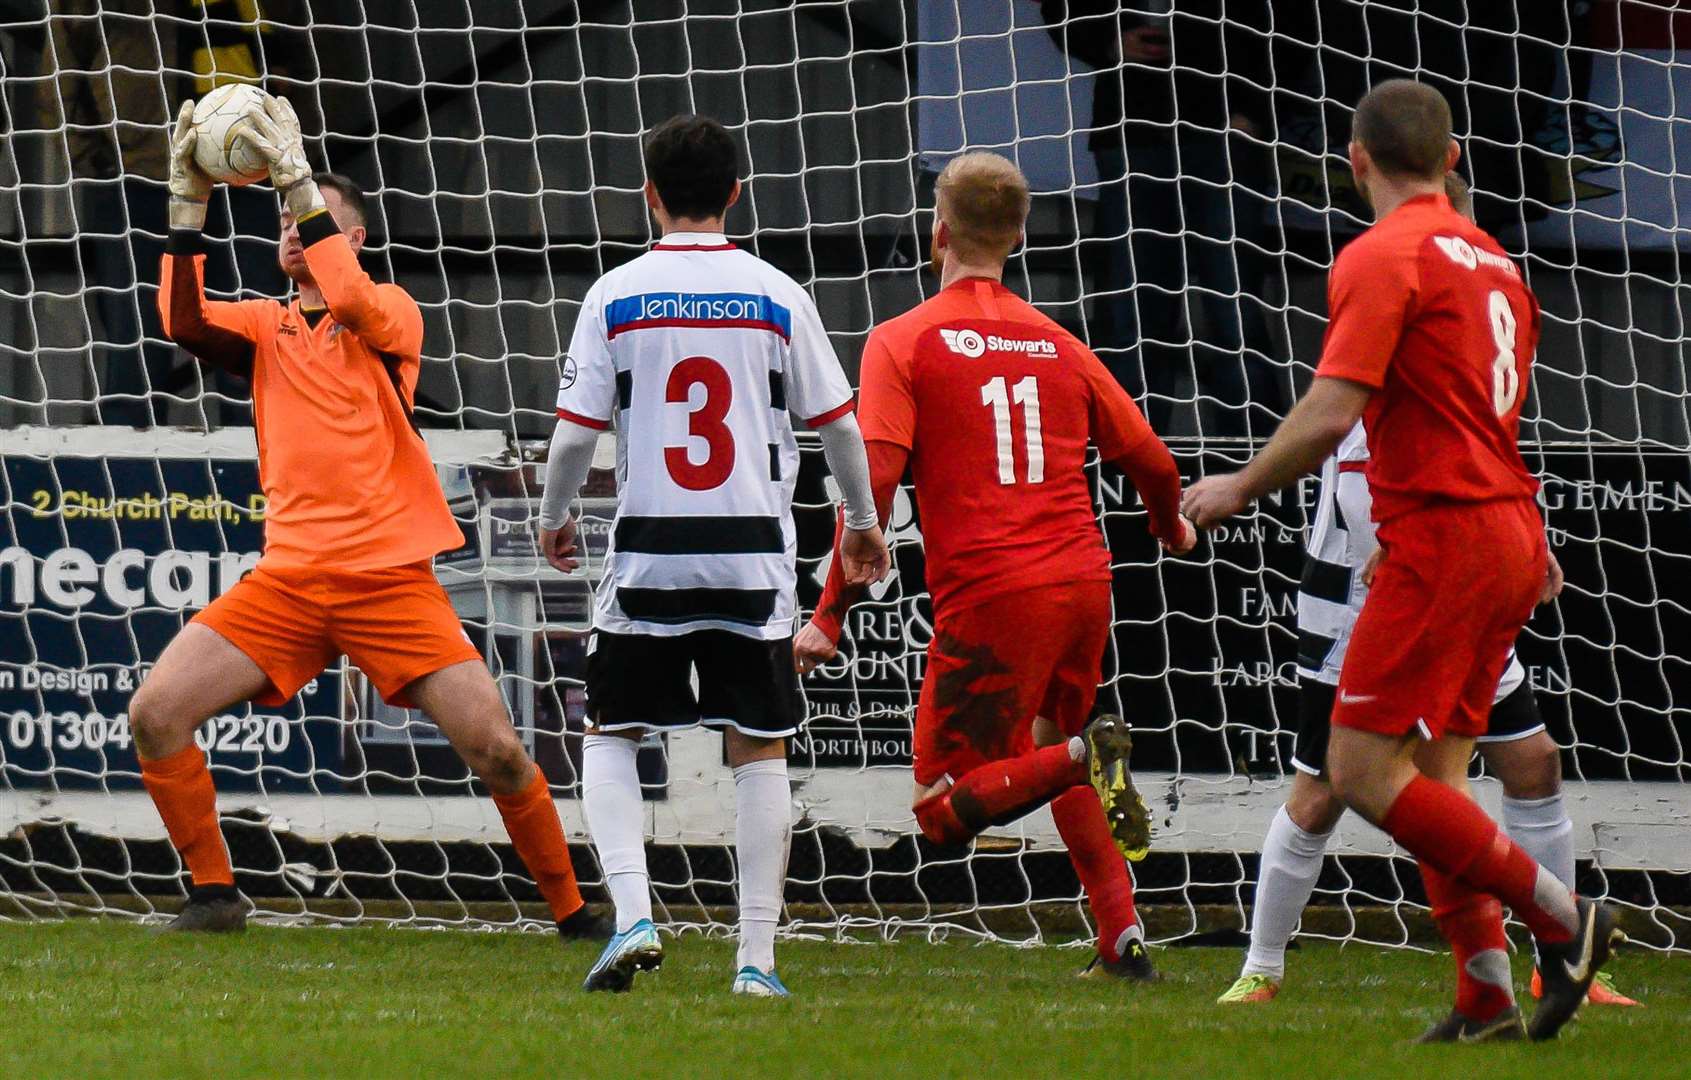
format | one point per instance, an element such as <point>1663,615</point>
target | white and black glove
<point>277,137</point>
<point>190,187</point>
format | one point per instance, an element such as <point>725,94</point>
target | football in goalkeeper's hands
<point>221,120</point>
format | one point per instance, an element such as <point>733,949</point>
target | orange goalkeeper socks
<point>532,822</point>
<point>181,787</point>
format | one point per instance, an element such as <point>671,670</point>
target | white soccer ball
<point>221,148</point>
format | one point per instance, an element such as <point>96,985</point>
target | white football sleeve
<point>568,462</point>
<point>848,460</point>
<point>817,390</point>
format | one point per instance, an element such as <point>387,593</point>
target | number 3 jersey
<point>695,353</point>
<point>996,404</point>
<point>1427,310</point>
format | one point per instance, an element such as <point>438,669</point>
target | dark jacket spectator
<point>1182,121</point>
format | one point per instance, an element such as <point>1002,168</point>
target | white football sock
<point>1291,862</point>
<point>1542,828</point>
<point>610,798</point>
<point>763,829</point>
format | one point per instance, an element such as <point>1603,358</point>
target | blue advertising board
<point>102,561</point>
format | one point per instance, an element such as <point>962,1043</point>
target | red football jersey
<point>1427,309</point>
<point>996,404</point>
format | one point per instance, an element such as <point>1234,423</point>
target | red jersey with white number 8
<point>1427,310</point>
<point>697,354</point>
<point>996,404</point>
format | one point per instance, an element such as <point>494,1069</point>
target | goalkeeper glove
<point>190,187</point>
<point>277,137</point>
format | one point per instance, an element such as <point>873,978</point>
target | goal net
<point>1191,193</point>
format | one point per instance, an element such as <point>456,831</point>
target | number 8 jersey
<point>1425,308</point>
<point>697,353</point>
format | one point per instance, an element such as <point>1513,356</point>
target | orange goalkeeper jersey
<point>346,473</point>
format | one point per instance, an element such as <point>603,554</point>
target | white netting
<point>500,147</point>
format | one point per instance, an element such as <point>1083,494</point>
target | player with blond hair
<point>355,516</point>
<point>992,406</point>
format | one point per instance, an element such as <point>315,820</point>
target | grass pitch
<point>89,999</point>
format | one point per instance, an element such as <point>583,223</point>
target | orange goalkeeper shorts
<point>995,665</point>
<point>395,623</point>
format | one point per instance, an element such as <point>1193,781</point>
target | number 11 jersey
<point>996,404</point>
<point>697,353</point>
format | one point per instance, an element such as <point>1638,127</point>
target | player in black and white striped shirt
<point>698,354</point>
<point>1516,748</point>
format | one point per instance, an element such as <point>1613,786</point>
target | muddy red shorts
<point>395,623</point>
<point>994,666</point>
<point>1452,592</point>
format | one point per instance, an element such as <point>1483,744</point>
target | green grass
<point>107,999</point>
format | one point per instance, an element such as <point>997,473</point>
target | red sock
<point>1448,831</point>
<point>1473,924</point>
<point>1102,870</point>
<point>182,790</point>
<point>538,835</point>
<point>998,793</point>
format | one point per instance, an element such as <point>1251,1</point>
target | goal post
<point>1182,228</point>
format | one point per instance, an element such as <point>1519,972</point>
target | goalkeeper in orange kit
<point>356,515</point>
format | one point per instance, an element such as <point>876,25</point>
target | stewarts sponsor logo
<point>971,343</point>
<point>964,342</point>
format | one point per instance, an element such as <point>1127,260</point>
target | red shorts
<point>994,666</point>
<point>1455,587</point>
<point>396,624</point>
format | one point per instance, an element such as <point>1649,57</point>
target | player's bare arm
<point>1554,579</point>
<point>1309,434</point>
<point>863,555</point>
<point>558,546</point>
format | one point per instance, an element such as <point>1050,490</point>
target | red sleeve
<point>1153,473</point>
<point>1370,294</point>
<point>384,317</point>
<point>1124,439</point>
<point>830,416</point>
<point>886,406</point>
<point>886,469</point>
<point>1117,424</point>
